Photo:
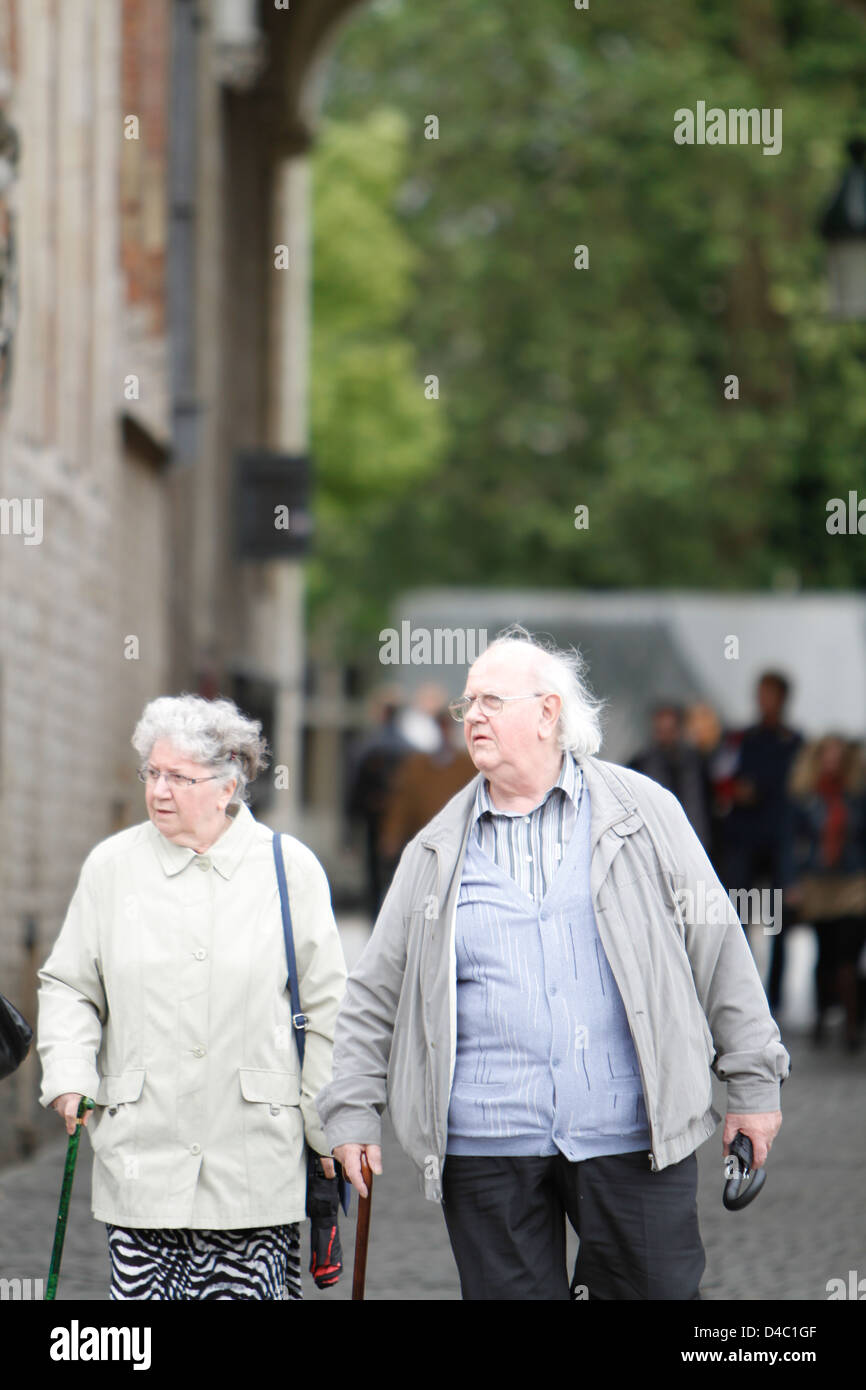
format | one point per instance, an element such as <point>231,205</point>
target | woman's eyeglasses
<point>174,779</point>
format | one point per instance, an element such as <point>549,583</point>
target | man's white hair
<point>560,671</point>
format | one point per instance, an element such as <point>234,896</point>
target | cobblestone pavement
<point>806,1228</point>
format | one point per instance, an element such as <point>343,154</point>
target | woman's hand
<point>67,1108</point>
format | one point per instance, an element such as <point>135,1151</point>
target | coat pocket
<point>114,1091</point>
<point>270,1087</point>
<point>120,1089</point>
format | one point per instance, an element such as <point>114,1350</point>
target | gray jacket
<point>679,955</point>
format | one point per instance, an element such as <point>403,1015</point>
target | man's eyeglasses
<point>488,704</point>
<point>174,779</point>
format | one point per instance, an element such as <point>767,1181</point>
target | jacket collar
<point>569,782</point>
<point>612,807</point>
<point>225,853</point>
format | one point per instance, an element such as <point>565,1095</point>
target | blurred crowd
<point>778,811</point>
<point>774,810</point>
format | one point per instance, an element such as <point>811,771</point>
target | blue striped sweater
<point>545,1058</point>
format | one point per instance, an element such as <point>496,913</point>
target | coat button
<point>200,954</point>
<point>198,1052</point>
<point>275,1110</point>
<point>112,1109</point>
<point>203,861</point>
<point>195,1148</point>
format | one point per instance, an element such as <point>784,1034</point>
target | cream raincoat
<point>164,999</point>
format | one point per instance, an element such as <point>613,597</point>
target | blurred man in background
<point>421,786</point>
<point>675,764</point>
<point>754,827</point>
<point>376,760</point>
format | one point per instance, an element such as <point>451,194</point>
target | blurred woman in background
<point>824,867</point>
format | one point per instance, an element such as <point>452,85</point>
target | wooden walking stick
<point>362,1233</point>
<point>65,1193</point>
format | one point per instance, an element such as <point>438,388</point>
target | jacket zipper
<point>431,1061</point>
<point>652,1158</point>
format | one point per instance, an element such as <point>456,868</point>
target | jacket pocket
<point>120,1089</point>
<point>622,1064</point>
<point>110,1123</point>
<point>483,1090</point>
<point>270,1087</point>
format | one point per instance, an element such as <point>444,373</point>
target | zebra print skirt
<point>261,1262</point>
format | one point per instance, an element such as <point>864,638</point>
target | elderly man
<point>540,1004</point>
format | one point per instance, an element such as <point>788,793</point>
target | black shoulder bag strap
<point>299,1020</point>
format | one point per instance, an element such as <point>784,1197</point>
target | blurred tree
<point>606,385</point>
<point>376,438</point>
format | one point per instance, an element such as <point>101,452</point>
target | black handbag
<point>16,1036</point>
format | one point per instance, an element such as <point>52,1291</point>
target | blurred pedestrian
<point>164,998</point>
<point>418,721</point>
<point>540,1014</point>
<point>376,760</point>
<point>675,764</point>
<point>422,784</point>
<point>753,828</point>
<point>824,868</point>
<point>703,730</point>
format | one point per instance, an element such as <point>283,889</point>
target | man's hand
<point>349,1157</point>
<point>67,1108</point>
<point>761,1129</point>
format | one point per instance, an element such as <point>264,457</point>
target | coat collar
<point>612,807</point>
<point>225,853</point>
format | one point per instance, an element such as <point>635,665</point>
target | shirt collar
<point>569,782</point>
<point>225,853</point>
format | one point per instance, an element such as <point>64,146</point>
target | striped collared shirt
<point>529,846</point>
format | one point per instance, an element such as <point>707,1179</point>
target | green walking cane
<point>65,1193</point>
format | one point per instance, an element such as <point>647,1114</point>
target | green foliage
<point>375,436</point>
<point>602,386</point>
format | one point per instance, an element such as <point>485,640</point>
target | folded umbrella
<point>735,1196</point>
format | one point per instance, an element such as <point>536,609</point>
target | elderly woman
<point>165,999</point>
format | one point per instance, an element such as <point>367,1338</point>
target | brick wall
<point>90,215</point>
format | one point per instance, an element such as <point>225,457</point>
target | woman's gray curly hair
<point>212,732</point>
<point>560,671</point>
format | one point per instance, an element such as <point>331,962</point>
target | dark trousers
<point>638,1230</point>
